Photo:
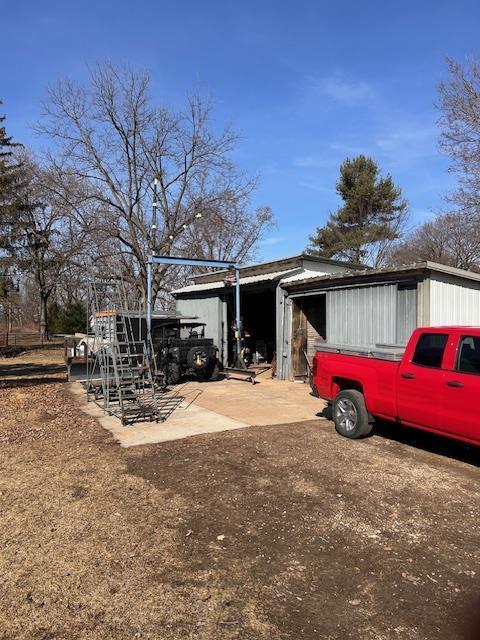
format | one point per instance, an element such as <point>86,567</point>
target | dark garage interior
<point>258,312</point>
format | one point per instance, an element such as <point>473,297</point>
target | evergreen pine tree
<point>11,184</point>
<point>372,213</point>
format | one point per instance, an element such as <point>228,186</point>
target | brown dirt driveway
<point>269,532</point>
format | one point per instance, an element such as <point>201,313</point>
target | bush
<point>71,318</point>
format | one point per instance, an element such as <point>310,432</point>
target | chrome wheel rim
<point>346,414</point>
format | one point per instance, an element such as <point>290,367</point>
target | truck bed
<point>377,352</point>
<point>373,370</point>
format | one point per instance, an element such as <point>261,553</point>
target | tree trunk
<point>9,315</point>
<point>43,315</point>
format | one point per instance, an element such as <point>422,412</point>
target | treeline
<point>123,177</point>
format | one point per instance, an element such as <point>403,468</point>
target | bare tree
<point>460,139</point>
<point>452,239</point>
<point>222,233</point>
<point>110,135</point>
<point>44,238</point>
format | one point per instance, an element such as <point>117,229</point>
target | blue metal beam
<point>175,261</point>
<point>191,262</point>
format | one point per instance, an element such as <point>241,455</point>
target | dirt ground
<point>269,532</point>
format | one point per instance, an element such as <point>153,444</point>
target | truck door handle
<point>454,383</point>
<point>408,376</point>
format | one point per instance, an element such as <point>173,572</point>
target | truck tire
<point>214,372</point>
<point>172,373</point>
<point>209,374</point>
<point>350,414</point>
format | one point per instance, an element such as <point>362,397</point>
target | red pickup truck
<point>433,384</point>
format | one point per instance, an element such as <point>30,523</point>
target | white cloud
<point>408,141</point>
<point>404,144</point>
<point>346,92</point>
<point>272,240</point>
<point>311,162</point>
<point>315,186</point>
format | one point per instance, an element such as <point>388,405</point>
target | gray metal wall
<point>454,301</point>
<point>284,313</point>
<point>212,311</point>
<point>362,315</point>
<point>406,313</point>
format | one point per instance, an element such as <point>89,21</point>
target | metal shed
<point>210,298</point>
<point>375,306</point>
<point>296,302</point>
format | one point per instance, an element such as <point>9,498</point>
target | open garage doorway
<point>309,327</point>
<point>258,311</point>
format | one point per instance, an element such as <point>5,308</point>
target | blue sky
<point>306,84</point>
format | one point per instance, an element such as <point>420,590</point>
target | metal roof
<point>283,264</point>
<point>297,277</point>
<point>211,286</point>
<point>157,315</point>
<point>304,274</point>
<point>416,267</point>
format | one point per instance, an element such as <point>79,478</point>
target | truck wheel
<point>209,374</point>
<point>172,373</point>
<point>214,371</point>
<point>350,414</point>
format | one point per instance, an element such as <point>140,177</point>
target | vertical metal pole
<point>87,364</point>
<point>154,215</point>
<point>237,309</point>
<point>149,305</point>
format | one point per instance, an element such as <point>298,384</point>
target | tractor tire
<point>209,373</point>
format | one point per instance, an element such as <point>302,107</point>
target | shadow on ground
<point>27,374</point>
<point>29,382</point>
<point>423,440</point>
<point>430,442</point>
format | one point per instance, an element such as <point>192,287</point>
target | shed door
<point>299,340</point>
<point>308,330</point>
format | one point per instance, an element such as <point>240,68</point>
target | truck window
<point>429,349</point>
<point>468,355</point>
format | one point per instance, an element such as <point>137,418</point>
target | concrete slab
<point>212,407</point>
<point>267,402</point>
<point>187,420</point>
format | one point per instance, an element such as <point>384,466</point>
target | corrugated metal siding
<point>406,313</point>
<point>362,316</point>
<point>454,303</point>
<point>284,354</point>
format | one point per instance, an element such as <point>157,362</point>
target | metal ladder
<point>127,373</point>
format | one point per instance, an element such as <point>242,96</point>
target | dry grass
<point>322,537</point>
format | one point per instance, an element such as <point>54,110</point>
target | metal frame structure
<point>186,262</point>
<point>127,386</point>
